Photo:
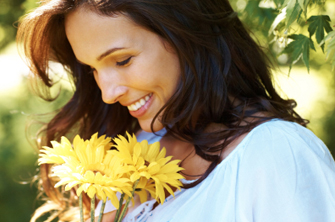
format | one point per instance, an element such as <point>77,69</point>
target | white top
<point>280,172</point>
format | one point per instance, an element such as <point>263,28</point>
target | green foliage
<point>279,3</point>
<point>280,21</point>
<point>29,5</point>
<point>10,11</point>
<point>303,4</point>
<point>253,10</point>
<point>293,12</point>
<point>284,18</point>
<point>329,126</point>
<point>317,25</point>
<point>330,51</point>
<point>256,16</point>
<point>299,48</point>
<point>18,158</point>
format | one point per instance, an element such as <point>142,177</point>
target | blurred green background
<point>313,91</point>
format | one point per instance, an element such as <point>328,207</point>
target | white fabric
<point>280,172</point>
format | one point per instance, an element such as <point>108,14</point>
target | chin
<point>147,126</point>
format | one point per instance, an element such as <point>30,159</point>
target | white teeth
<point>142,102</point>
<point>139,104</point>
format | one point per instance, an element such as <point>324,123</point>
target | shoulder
<point>285,149</point>
<point>284,166</point>
<point>278,139</point>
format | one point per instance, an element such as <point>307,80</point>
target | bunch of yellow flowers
<point>101,168</point>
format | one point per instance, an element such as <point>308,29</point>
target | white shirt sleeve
<point>280,172</point>
<point>286,175</point>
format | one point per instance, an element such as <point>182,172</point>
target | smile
<point>137,105</point>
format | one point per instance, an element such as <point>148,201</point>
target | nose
<point>111,86</point>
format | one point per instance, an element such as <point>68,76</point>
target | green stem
<point>101,211</point>
<point>81,207</point>
<point>92,208</point>
<point>124,210</point>
<point>119,210</point>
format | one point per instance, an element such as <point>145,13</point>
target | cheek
<point>171,76</point>
<point>96,80</point>
<point>146,75</point>
<point>156,71</point>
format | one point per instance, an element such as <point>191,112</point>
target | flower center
<point>96,171</point>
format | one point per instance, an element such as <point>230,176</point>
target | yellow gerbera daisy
<point>148,164</point>
<point>63,150</point>
<point>90,165</point>
<point>102,180</point>
<point>55,155</point>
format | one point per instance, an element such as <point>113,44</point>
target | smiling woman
<point>130,64</point>
<point>188,74</point>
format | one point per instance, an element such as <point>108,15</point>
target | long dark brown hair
<point>226,77</point>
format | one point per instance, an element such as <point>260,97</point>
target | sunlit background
<point>314,92</point>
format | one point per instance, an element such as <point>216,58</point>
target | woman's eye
<point>124,62</point>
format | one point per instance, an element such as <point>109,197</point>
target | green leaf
<point>286,2</point>
<point>293,11</point>
<point>280,17</point>
<point>299,48</point>
<point>258,16</point>
<point>330,47</point>
<point>279,3</point>
<point>303,5</point>
<point>318,24</point>
<point>318,2</point>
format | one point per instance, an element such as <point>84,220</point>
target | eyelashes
<point>124,62</point>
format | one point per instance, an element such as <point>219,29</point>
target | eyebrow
<point>103,55</point>
<point>108,52</point>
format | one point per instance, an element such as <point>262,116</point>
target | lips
<point>137,109</point>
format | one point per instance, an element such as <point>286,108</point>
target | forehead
<point>89,32</point>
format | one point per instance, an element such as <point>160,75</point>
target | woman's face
<point>130,64</point>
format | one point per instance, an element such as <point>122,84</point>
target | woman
<point>188,70</point>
